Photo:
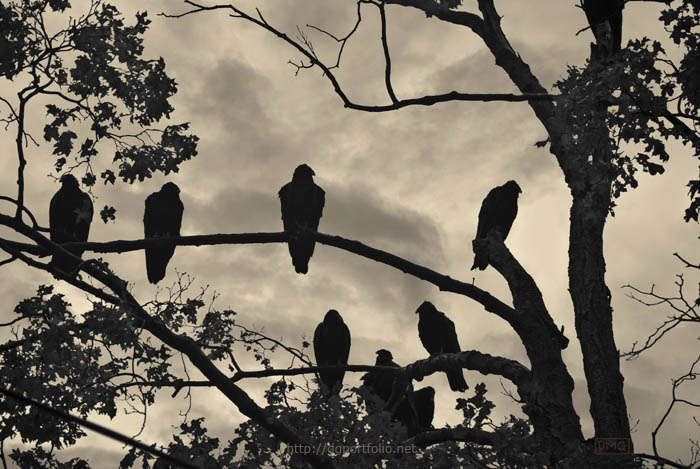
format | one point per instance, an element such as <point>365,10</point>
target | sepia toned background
<point>409,182</point>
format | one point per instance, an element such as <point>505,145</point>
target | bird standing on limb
<point>161,218</point>
<point>70,215</point>
<point>332,347</point>
<point>498,211</point>
<point>438,335</point>
<point>302,207</point>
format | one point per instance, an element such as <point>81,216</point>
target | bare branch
<point>387,57</point>
<point>470,359</point>
<point>443,282</point>
<point>342,40</point>
<point>539,95</point>
<point>527,298</point>
<point>35,225</point>
<point>97,428</point>
<point>689,376</point>
<point>660,459</point>
<point>684,312</point>
<point>687,264</point>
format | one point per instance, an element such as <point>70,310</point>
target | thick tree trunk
<point>591,299</point>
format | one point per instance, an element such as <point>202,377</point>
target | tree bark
<point>593,312</point>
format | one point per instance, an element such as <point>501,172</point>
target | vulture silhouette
<point>438,335</point>
<point>161,218</point>
<point>424,402</point>
<point>605,20</point>
<point>416,411</point>
<point>498,211</point>
<point>332,347</point>
<point>70,215</point>
<point>302,207</point>
<point>381,382</point>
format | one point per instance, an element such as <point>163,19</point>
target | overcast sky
<point>410,182</point>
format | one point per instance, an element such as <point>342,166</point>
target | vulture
<point>332,347</point>
<point>381,382</point>
<point>161,218</point>
<point>424,402</point>
<point>498,211</point>
<point>438,335</point>
<point>416,411</point>
<point>70,215</point>
<point>605,19</point>
<point>302,206</point>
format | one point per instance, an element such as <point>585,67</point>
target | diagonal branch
<point>527,297</point>
<point>181,343</point>
<point>97,428</point>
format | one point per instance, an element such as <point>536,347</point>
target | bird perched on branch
<point>161,218</point>
<point>605,19</point>
<point>417,410</point>
<point>437,334</point>
<point>498,211</point>
<point>302,207</point>
<point>332,347</point>
<point>70,215</point>
<point>381,382</point>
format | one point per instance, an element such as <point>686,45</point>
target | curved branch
<point>25,210</point>
<point>443,282</point>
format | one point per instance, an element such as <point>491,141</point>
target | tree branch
<point>660,459</point>
<point>539,95</point>
<point>689,376</point>
<point>387,57</point>
<point>527,298</point>
<point>470,359</point>
<point>181,343</point>
<point>443,282</point>
<point>97,428</point>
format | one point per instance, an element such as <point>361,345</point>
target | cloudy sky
<point>409,182</point>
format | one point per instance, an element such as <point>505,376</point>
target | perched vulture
<point>424,402</point>
<point>416,411</point>
<point>438,335</point>
<point>381,382</point>
<point>162,218</point>
<point>70,215</point>
<point>605,19</point>
<point>498,211</point>
<point>332,347</point>
<point>302,206</point>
